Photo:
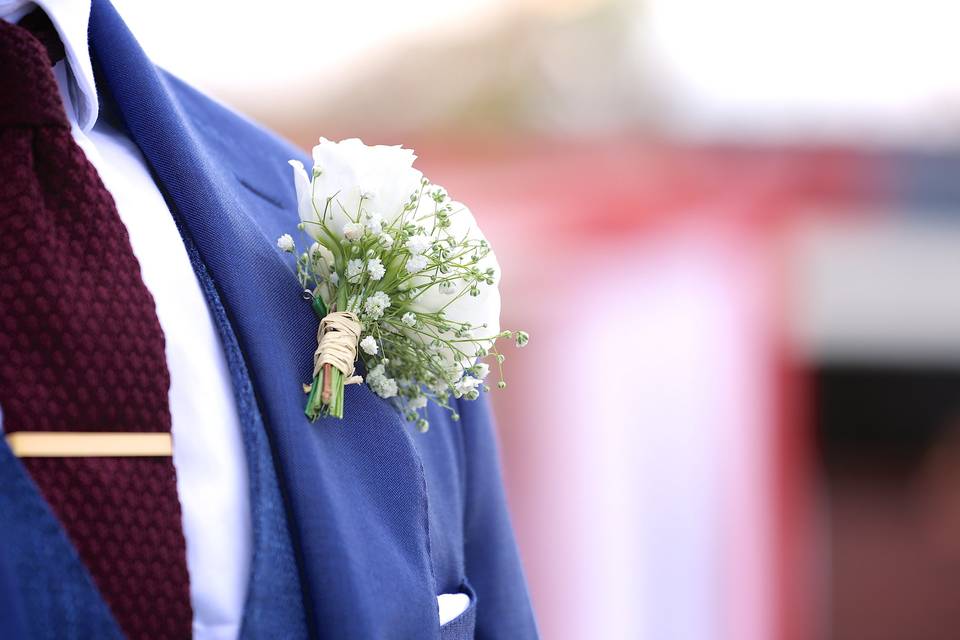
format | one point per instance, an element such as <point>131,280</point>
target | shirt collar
<point>71,19</point>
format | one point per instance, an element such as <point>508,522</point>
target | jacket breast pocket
<point>462,626</point>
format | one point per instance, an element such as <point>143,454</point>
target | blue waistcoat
<point>357,524</point>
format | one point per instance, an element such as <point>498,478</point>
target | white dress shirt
<point>208,450</point>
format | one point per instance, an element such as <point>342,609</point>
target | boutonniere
<point>400,276</point>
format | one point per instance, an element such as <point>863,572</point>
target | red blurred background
<point>731,232</point>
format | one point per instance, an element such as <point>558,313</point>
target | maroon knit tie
<point>81,349</point>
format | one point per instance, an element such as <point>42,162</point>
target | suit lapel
<point>354,490</point>
<point>45,587</point>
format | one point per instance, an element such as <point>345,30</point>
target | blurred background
<point>731,229</point>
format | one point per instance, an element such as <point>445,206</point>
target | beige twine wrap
<point>337,340</point>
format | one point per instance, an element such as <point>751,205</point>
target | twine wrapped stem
<point>333,363</point>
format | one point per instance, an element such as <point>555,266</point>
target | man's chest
<point>212,475</point>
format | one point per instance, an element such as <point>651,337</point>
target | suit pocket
<point>462,627</point>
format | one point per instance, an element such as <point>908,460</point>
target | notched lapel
<point>354,489</point>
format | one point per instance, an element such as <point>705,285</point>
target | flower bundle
<point>401,277</point>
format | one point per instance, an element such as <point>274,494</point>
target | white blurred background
<point>816,70</point>
<point>704,211</point>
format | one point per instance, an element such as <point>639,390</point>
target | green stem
<point>314,405</point>
<point>336,394</point>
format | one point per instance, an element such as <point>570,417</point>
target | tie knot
<point>28,90</point>
<point>38,23</point>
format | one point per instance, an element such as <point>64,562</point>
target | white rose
<point>323,259</point>
<point>419,243</point>
<point>353,231</point>
<point>416,263</point>
<point>375,223</point>
<point>348,170</point>
<point>477,310</point>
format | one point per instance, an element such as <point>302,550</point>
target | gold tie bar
<point>80,444</point>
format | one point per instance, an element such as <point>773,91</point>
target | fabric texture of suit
<point>358,524</point>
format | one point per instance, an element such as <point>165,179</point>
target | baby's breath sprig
<point>420,282</point>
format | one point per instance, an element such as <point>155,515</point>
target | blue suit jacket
<point>358,524</point>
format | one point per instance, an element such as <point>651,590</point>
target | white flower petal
<point>369,346</point>
<point>375,269</point>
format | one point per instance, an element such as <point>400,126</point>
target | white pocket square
<point>452,605</point>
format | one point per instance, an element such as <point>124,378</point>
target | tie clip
<point>79,444</point>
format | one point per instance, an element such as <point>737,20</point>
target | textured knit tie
<point>81,349</point>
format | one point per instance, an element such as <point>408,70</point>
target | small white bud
<point>353,231</point>
<point>369,346</point>
<point>375,269</point>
